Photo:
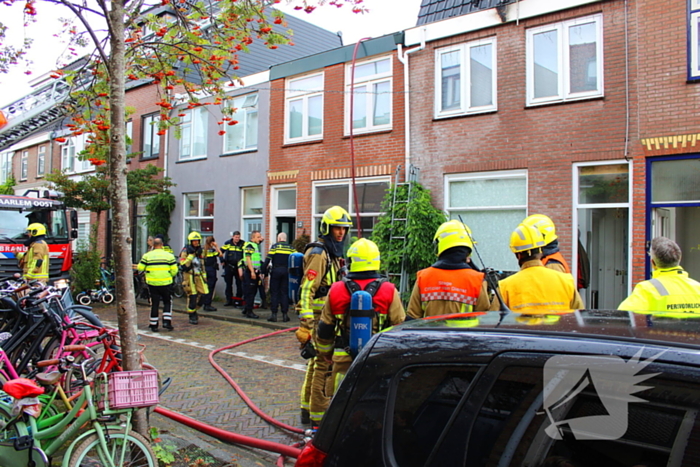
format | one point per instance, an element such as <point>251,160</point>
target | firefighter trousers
<point>321,389</point>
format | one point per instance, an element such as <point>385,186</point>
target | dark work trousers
<point>211,283</point>
<point>158,293</point>
<point>250,288</point>
<point>229,276</point>
<point>279,289</point>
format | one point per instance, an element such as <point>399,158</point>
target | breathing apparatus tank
<point>361,314</point>
<point>295,263</point>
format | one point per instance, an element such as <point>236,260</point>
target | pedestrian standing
<point>211,266</point>
<point>277,267</point>
<point>251,272</point>
<point>233,254</point>
<point>159,267</point>
<point>35,262</point>
<point>194,276</point>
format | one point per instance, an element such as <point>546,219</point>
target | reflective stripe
<point>340,353</point>
<point>450,296</point>
<point>323,347</point>
<point>659,287</point>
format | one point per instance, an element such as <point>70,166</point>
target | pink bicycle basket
<point>131,389</point>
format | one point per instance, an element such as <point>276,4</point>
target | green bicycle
<point>103,434</point>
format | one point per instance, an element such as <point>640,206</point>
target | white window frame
<point>465,107</point>
<point>41,161</point>
<point>68,151</point>
<point>293,94</point>
<point>5,166</point>
<point>24,166</point>
<point>255,217</point>
<point>368,82</point>
<point>316,217</point>
<point>563,78</point>
<point>192,128</point>
<point>246,106</point>
<point>149,133</point>
<point>694,52</point>
<point>200,214</point>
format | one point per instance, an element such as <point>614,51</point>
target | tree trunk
<point>121,225</point>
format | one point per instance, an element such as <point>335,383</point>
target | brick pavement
<point>270,371</point>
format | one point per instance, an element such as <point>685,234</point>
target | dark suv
<point>582,389</point>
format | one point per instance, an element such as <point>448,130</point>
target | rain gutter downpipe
<point>352,141</point>
<point>403,58</point>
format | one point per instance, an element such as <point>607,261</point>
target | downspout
<point>352,141</point>
<point>403,58</point>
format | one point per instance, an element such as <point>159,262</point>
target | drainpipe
<point>403,58</point>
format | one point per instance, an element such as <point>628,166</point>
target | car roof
<point>657,327</point>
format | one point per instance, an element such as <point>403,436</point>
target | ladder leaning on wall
<point>399,220</point>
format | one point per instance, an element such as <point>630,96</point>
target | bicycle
<point>177,290</point>
<point>109,441</point>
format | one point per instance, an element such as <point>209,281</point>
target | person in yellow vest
<point>535,289</point>
<point>451,285</point>
<point>194,276</point>
<point>670,291</point>
<point>159,267</point>
<point>324,261</point>
<point>252,273</point>
<point>551,256</point>
<point>35,262</point>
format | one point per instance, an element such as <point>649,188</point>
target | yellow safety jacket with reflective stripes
<point>38,250</point>
<point>320,272</point>
<point>669,292</point>
<point>160,267</point>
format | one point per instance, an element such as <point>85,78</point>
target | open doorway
<point>287,225</point>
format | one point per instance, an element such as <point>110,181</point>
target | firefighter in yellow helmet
<point>323,262</point>
<point>670,292</point>
<point>194,276</point>
<point>535,289</point>
<point>35,262</point>
<point>332,338</point>
<point>551,256</point>
<point>451,285</point>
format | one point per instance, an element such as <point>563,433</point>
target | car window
<point>426,400</point>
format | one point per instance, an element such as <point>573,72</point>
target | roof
<point>436,10</point>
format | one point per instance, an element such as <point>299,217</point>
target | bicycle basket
<point>128,389</point>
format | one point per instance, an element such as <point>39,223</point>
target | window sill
<point>193,159</point>
<point>369,133</point>
<point>302,143</point>
<point>464,114</point>
<point>238,153</point>
<point>149,158</point>
<point>564,102</point>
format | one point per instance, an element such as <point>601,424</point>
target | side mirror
<point>74,233</point>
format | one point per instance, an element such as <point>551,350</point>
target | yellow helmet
<point>544,224</point>
<point>525,238</point>
<point>194,236</point>
<point>335,216</point>
<point>36,229</point>
<point>364,256</point>
<point>453,233</point>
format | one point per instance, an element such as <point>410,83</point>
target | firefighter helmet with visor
<point>526,238</point>
<point>364,256</point>
<point>36,229</point>
<point>451,234</point>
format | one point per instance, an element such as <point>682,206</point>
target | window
<point>371,96</point>
<point>68,156</point>
<point>370,193</point>
<point>565,61</point>
<point>5,166</point>
<point>199,213</point>
<point>193,143</point>
<point>150,144</point>
<point>694,40</point>
<point>41,162</point>
<point>243,136</point>
<point>304,102</point>
<point>252,199</point>
<point>24,165</point>
<point>466,78</point>
<point>492,204</point>
<point>83,242</point>
<point>129,133</point>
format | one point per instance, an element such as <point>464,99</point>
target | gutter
<point>403,58</point>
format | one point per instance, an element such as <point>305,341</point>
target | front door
<point>286,225</point>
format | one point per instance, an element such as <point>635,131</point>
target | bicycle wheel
<point>135,449</point>
<point>178,291</point>
<point>107,298</point>
<point>84,298</point>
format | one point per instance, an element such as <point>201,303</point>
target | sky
<point>383,17</point>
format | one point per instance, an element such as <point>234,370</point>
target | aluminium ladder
<point>399,220</point>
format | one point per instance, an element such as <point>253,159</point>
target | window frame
<point>465,107</point>
<point>369,81</point>
<point>200,214</point>
<point>6,165</point>
<point>68,152</point>
<point>564,68</point>
<point>24,165</point>
<point>693,40</point>
<point>247,219</point>
<point>292,94</point>
<point>193,128</point>
<point>41,161</point>
<point>242,115</point>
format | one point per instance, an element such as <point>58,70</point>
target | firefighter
<point>535,289</point>
<point>551,257</point>
<point>332,338</point>
<point>35,262</point>
<point>194,276</point>
<point>451,285</point>
<point>323,262</point>
<point>252,273</point>
<point>159,267</point>
<point>233,254</point>
<point>670,291</point>
<point>277,267</point>
<point>212,254</point>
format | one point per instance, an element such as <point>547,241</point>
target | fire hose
<point>283,449</point>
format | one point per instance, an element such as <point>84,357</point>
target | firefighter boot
<point>305,417</point>
<point>168,325</point>
<point>285,317</point>
<point>194,319</point>
<point>272,318</point>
